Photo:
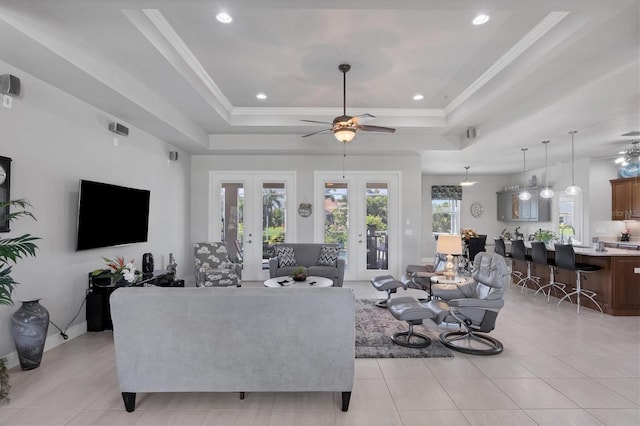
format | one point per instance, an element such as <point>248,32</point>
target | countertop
<point>590,251</point>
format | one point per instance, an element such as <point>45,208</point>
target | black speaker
<point>119,129</point>
<point>9,85</point>
<point>147,263</point>
<point>94,312</point>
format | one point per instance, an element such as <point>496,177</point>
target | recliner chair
<point>476,313</point>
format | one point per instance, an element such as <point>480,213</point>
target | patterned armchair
<point>213,266</point>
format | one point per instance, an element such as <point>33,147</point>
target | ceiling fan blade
<point>315,133</point>
<point>362,118</point>
<point>381,129</point>
<point>314,121</point>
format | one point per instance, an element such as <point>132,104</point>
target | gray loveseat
<point>230,339</point>
<point>307,255</point>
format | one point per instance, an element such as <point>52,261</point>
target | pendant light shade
<point>546,192</point>
<point>574,189</point>
<point>524,195</point>
<point>466,181</point>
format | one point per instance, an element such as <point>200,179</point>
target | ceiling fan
<point>344,127</point>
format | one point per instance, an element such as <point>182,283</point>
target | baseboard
<point>52,341</point>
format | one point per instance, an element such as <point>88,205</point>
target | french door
<point>249,212</point>
<point>361,213</point>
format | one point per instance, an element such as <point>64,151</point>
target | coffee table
<point>311,281</point>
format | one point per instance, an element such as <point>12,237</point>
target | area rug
<point>374,328</point>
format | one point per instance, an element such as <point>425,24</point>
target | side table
<point>447,288</point>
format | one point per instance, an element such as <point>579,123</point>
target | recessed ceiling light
<point>224,17</point>
<point>261,96</point>
<point>418,97</point>
<point>480,19</point>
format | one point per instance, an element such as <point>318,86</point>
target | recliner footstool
<point>386,283</point>
<point>410,309</point>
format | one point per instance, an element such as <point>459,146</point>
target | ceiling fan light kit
<point>574,189</point>
<point>345,127</point>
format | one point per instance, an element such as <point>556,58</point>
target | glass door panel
<point>232,226</point>
<point>377,206</point>
<point>274,213</point>
<point>336,216</point>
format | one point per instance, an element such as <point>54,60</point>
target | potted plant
<point>298,274</point>
<point>11,251</point>
<point>545,236</point>
<point>121,272</point>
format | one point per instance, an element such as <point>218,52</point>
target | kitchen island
<point>617,284</point>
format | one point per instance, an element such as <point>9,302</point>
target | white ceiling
<point>535,71</point>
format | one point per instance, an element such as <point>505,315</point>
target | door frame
<point>252,183</point>
<point>356,269</point>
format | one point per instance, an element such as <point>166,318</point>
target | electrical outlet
<point>7,101</point>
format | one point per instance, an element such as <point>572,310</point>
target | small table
<point>311,281</point>
<point>441,279</point>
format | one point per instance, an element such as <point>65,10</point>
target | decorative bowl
<point>299,277</point>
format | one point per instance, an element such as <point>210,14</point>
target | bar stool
<point>566,259</point>
<point>500,248</point>
<point>539,256</point>
<point>518,252</point>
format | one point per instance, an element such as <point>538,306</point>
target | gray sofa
<point>307,255</point>
<point>229,339</point>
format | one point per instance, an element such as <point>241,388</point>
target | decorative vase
<point>29,325</point>
<point>299,277</point>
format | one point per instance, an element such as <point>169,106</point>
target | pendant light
<point>524,195</point>
<point>546,192</point>
<point>574,189</point>
<point>466,181</point>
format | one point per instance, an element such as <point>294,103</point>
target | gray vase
<point>29,326</point>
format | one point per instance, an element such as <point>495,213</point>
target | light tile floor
<point>557,368</point>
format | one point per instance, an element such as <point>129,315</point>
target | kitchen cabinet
<point>625,199</point>
<point>513,209</point>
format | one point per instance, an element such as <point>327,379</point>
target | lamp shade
<point>449,244</point>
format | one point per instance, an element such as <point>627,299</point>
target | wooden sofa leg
<point>129,399</point>
<point>241,395</point>
<point>346,397</point>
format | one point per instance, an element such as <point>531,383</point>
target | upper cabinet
<point>513,209</point>
<point>625,199</point>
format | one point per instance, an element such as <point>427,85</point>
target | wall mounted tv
<point>111,215</point>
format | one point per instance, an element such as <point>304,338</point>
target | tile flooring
<point>557,368</point>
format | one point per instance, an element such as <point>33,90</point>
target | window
<point>445,204</point>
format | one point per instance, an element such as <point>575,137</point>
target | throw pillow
<point>286,256</point>
<point>328,256</point>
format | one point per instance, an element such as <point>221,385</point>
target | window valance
<point>446,192</point>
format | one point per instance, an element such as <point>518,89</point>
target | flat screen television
<point>111,215</point>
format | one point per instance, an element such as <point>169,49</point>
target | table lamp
<point>449,245</point>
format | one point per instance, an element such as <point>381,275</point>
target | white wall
<point>304,167</point>
<point>55,140</point>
